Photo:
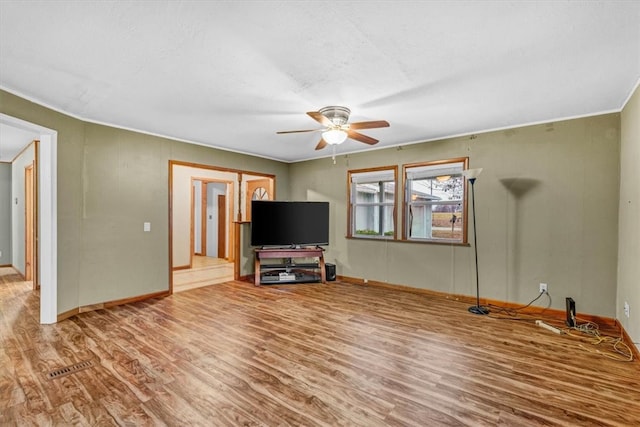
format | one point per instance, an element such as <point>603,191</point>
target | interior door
<point>29,223</point>
<point>258,189</point>
<point>222,226</point>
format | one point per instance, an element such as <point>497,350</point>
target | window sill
<point>378,238</point>
<point>420,242</point>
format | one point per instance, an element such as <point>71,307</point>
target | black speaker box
<point>330,271</point>
<point>571,312</point>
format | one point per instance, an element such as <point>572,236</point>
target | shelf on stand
<point>289,272</point>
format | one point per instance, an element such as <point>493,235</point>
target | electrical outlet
<point>543,287</point>
<point>626,309</point>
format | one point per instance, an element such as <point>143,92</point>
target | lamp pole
<point>471,175</point>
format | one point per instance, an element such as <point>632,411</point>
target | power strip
<point>548,327</point>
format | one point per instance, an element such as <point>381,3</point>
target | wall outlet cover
<point>626,309</point>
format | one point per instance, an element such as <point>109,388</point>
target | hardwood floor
<point>10,275</point>
<point>304,355</point>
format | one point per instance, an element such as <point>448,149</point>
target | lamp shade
<point>471,173</point>
<point>334,136</point>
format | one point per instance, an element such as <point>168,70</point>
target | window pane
<point>373,220</point>
<point>440,221</point>
<point>367,193</point>
<point>437,189</point>
<point>372,202</point>
<point>434,201</point>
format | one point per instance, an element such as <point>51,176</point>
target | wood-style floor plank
<point>302,355</point>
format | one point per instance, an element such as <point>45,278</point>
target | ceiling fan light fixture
<point>334,136</point>
<point>336,114</point>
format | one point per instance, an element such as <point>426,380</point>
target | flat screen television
<point>289,224</point>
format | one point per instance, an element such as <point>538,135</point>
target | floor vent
<point>68,370</point>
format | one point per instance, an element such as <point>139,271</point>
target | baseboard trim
<point>627,339</point>
<point>109,304</point>
<point>137,298</point>
<point>181,267</point>
<point>553,313</point>
<point>67,314</point>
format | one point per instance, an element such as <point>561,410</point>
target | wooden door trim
<point>203,218</point>
<point>192,201</point>
<point>222,227</point>
<point>229,189</point>
<point>29,223</point>
<point>234,231</point>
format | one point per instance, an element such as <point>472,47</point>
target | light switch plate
<point>147,226</point>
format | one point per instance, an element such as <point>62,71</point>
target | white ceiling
<point>230,74</point>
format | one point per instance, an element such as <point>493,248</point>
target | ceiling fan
<point>336,129</point>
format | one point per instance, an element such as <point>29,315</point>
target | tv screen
<point>289,224</point>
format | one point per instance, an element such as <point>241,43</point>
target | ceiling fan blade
<point>369,125</point>
<point>320,118</point>
<point>299,131</point>
<point>321,144</point>
<point>360,137</point>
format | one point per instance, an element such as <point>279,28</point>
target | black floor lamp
<point>471,175</point>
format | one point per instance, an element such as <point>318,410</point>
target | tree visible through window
<point>435,204</point>
<point>372,202</point>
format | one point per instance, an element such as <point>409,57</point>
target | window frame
<point>406,223</point>
<point>351,207</point>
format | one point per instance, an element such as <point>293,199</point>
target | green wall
<point>547,211</point>
<point>5,213</point>
<point>111,181</point>
<point>629,230</point>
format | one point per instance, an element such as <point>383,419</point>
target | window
<point>372,203</point>
<point>435,201</point>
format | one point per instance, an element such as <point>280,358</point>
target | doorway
<point>45,199</point>
<point>201,207</point>
<point>209,219</point>
<point>208,212</point>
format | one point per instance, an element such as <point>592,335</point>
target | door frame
<point>30,229</point>
<point>234,219</point>
<point>223,226</point>
<point>47,222</point>
<point>228,213</point>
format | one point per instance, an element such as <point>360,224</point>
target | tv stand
<point>289,271</point>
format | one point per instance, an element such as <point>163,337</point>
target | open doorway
<point>210,227</point>
<point>209,220</point>
<point>205,207</point>
<point>44,208</point>
<point>201,205</point>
